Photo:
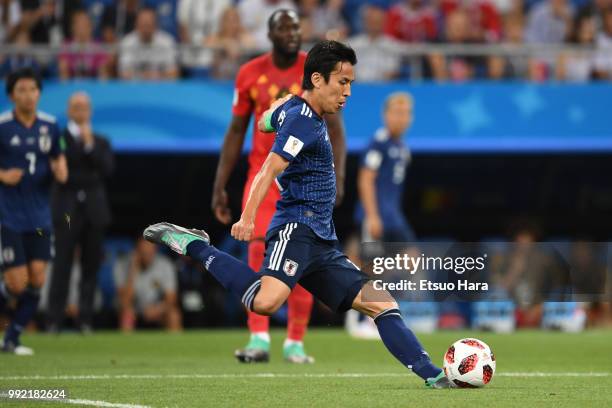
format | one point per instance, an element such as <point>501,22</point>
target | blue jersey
<point>25,206</point>
<point>389,157</point>
<point>308,184</point>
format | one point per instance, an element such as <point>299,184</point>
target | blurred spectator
<point>81,212</point>
<point>456,67</point>
<point>229,41</point>
<point>412,21</point>
<point>10,17</point>
<point>48,20</point>
<point>352,12</point>
<point>322,20</point>
<point>377,52</point>
<point>483,19</point>
<point>198,20</point>
<point>255,14</point>
<point>523,274</point>
<point>81,56</point>
<point>548,22</point>
<point>603,58</point>
<point>119,19</point>
<point>95,9</point>
<point>596,9</point>
<point>578,67</point>
<point>146,285</point>
<point>510,67</point>
<point>22,58</point>
<point>167,19</point>
<point>147,53</point>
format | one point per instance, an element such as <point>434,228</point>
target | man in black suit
<point>81,213</point>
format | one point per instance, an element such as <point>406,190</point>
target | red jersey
<point>411,25</point>
<point>483,14</point>
<point>259,83</point>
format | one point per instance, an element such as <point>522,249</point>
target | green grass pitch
<point>197,369</point>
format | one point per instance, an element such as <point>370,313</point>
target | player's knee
<point>16,281</point>
<point>265,305</point>
<point>37,278</point>
<point>379,307</point>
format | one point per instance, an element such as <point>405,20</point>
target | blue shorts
<point>20,248</point>
<point>295,254</point>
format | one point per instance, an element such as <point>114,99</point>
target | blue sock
<point>4,296</point>
<point>403,344</point>
<point>26,309</point>
<point>233,275</point>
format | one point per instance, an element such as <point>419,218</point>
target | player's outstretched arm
<point>230,153</point>
<point>272,167</point>
<point>59,167</point>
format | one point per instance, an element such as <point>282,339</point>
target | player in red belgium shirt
<point>259,83</point>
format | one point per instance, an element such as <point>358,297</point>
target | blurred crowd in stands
<point>167,39</point>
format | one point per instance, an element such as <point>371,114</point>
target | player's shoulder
<point>46,117</point>
<point>6,118</point>
<point>255,66</point>
<point>381,136</point>
<point>296,109</point>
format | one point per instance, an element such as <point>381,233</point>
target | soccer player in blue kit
<point>30,157</point>
<point>382,173</point>
<point>301,243</point>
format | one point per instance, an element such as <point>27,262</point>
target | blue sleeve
<point>373,156</point>
<point>57,142</point>
<point>294,133</point>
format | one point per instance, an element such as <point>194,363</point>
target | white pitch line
<point>99,403</point>
<point>273,375</point>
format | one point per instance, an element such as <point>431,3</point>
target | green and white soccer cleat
<point>439,382</point>
<point>295,353</point>
<point>257,351</point>
<point>17,350</point>
<point>175,237</point>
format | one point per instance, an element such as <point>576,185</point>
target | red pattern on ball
<point>487,374</point>
<point>473,343</point>
<point>468,364</point>
<point>450,355</point>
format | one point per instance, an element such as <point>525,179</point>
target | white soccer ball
<point>469,363</point>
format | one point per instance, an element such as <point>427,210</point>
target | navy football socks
<point>404,345</point>
<point>26,309</point>
<point>233,275</point>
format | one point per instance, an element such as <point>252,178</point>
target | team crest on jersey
<point>8,255</point>
<point>44,143</point>
<point>290,267</point>
<point>15,141</point>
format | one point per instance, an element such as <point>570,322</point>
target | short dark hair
<point>323,57</point>
<point>276,13</point>
<point>22,73</point>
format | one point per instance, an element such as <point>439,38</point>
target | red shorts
<point>266,209</point>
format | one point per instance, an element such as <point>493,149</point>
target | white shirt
<point>135,56</point>
<point>201,18</point>
<point>603,56</point>
<point>377,57</point>
<point>14,15</point>
<point>254,15</point>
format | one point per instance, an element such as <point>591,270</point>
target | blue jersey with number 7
<point>25,206</point>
